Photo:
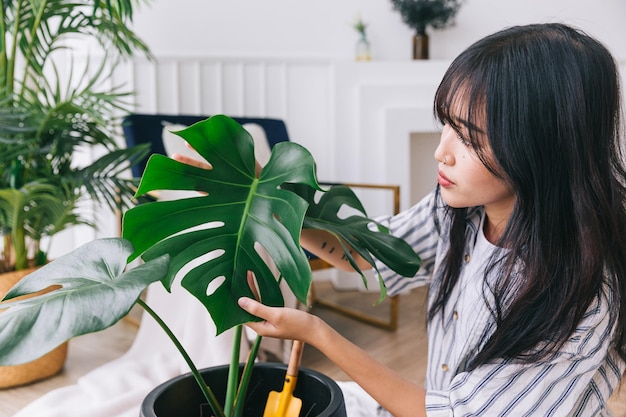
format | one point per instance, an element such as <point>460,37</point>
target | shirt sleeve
<point>418,226</point>
<point>575,381</point>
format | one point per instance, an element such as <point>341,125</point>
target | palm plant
<point>49,112</point>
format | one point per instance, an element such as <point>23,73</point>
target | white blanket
<point>117,388</point>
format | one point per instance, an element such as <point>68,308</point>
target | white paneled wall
<point>295,90</point>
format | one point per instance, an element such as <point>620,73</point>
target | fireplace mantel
<point>380,106</point>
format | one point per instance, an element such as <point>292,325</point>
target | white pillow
<point>175,144</point>
<point>262,149</point>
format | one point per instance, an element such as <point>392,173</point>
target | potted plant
<point>420,14</point>
<point>239,211</point>
<point>48,114</point>
<point>363,45</point>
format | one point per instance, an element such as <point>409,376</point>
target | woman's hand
<point>398,395</point>
<point>205,165</point>
<point>281,322</point>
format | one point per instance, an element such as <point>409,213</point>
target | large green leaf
<point>249,211</point>
<point>95,293</point>
<point>239,213</point>
<point>363,235</point>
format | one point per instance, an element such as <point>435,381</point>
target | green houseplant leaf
<point>361,234</point>
<point>250,212</point>
<point>240,213</point>
<point>93,293</point>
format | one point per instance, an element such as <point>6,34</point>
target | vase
<point>420,46</point>
<point>181,396</point>
<point>46,366</point>
<point>363,52</point>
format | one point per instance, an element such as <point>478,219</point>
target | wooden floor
<point>84,354</point>
<point>403,350</point>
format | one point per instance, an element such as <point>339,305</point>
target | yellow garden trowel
<point>284,404</point>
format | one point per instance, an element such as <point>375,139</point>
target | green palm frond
<point>44,25</point>
<point>53,109</point>
<point>50,210</point>
<point>103,178</point>
<point>33,211</point>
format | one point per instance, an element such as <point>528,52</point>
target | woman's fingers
<point>263,328</point>
<point>255,308</point>
<point>281,322</point>
<point>205,165</point>
<point>191,161</point>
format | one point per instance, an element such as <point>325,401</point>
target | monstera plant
<point>237,214</point>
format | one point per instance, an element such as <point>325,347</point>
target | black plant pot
<point>181,397</point>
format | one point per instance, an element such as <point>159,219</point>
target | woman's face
<point>464,179</point>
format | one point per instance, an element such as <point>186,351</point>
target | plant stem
<point>3,55</point>
<point>233,372</point>
<point>245,378</point>
<point>28,56</point>
<point>11,57</point>
<point>206,390</point>
<point>19,245</point>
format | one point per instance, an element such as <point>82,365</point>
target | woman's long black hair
<point>549,98</point>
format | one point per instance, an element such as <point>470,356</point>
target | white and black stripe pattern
<point>576,381</point>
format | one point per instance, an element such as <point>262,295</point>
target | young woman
<point>523,241</point>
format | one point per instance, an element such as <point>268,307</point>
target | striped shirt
<point>577,381</point>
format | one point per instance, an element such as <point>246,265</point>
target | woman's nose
<point>443,153</point>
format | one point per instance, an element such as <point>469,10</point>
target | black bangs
<point>460,97</point>
<point>461,102</point>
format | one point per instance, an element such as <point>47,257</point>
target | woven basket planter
<point>44,367</point>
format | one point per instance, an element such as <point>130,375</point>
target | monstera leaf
<point>218,236</point>
<point>91,292</point>
<point>357,231</point>
<point>246,214</point>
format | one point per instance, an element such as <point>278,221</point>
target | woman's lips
<point>443,180</point>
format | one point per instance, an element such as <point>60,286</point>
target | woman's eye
<point>462,139</point>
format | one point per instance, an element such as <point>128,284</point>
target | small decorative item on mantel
<point>363,52</point>
<point>419,14</point>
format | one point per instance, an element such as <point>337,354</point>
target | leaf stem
<point>206,390</point>
<point>233,372</point>
<point>245,378</point>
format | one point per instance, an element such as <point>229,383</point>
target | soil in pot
<point>181,397</point>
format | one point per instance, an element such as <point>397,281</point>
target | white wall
<point>322,28</point>
<point>293,60</point>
